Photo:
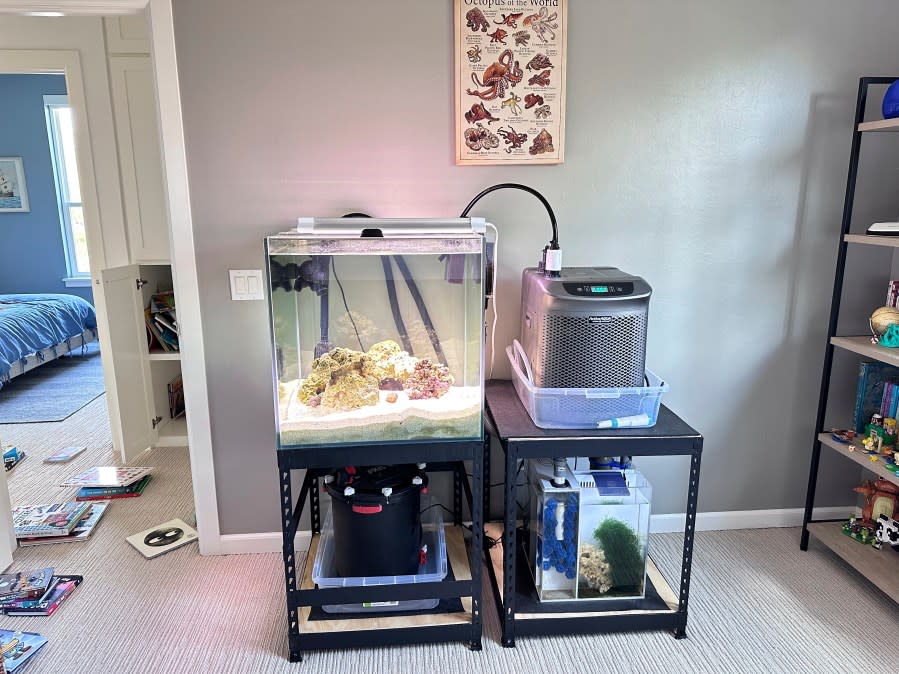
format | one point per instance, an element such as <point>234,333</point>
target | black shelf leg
<point>509,547</point>
<point>486,477</point>
<point>680,632</point>
<point>458,475</point>
<point>835,300</point>
<point>477,552</point>
<point>288,531</point>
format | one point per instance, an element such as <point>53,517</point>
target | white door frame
<point>181,231</point>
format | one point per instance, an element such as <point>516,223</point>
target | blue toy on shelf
<point>890,105</point>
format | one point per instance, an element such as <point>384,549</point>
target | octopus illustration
<point>497,77</point>
<point>530,100</point>
<point>540,79</point>
<point>512,103</point>
<point>521,38</point>
<point>509,20</point>
<point>542,112</point>
<point>539,62</point>
<point>543,142</point>
<point>474,55</point>
<point>543,23</point>
<point>476,20</point>
<point>479,138</point>
<point>512,139</point>
<point>499,35</point>
<point>478,113</point>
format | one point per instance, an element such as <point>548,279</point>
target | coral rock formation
<point>594,568</point>
<point>428,380</point>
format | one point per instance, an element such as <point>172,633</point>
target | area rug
<point>55,390</point>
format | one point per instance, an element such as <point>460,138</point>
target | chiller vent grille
<point>593,352</point>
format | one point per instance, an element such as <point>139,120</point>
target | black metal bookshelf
<point>522,614</point>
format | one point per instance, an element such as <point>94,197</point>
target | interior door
<point>128,374</point>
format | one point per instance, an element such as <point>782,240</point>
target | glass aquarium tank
<point>588,538</point>
<point>614,534</point>
<point>377,331</point>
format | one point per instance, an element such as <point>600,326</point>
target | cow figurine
<point>887,532</point>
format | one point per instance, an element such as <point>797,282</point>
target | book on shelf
<point>17,648</point>
<point>106,493</point>
<point>176,397</point>
<point>60,588</point>
<point>65,454</point>
<point>108,476</point>
<point>893,294</point>
<point>872,378</point>
<point>25,584</point>
<point>81,532</point>
<point>51,519</point>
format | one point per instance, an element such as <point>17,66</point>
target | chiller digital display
<point>599,289</point>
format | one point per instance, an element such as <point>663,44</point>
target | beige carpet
<point>758,604</point>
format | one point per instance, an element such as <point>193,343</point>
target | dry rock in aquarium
<point>351,391</point>
<point>428,380</point>
<point>330,367</point>
<point>594,568</point>
<point>386,360</point>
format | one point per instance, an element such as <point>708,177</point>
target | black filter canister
<point>377,522</point>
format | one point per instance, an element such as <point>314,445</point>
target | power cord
<point>493,303</point>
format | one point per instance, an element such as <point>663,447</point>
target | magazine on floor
<point>51,519</point>
<point>18,648</point>
<point>108,476</point>
<point>81,532</point>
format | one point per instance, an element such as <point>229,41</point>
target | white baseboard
<point>245,544</point>
<point>745,519</point>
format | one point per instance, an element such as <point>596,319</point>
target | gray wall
<point>707,150</point>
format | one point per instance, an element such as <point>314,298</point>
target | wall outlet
<point>246,284</point>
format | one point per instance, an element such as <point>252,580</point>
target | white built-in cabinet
<point>138,398</point>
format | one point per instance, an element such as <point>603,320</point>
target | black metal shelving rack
<point>400,628</point>
<point>862,558</point>
<point>513,586</point>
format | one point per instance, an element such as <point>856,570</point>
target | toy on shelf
<point>890,105</point>
<point>880,497</point>
<point>858,532</point>
<point>884,323</point>
<point>842,435</point>
<point>887,532</point>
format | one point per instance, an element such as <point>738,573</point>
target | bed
<point>35,329</point>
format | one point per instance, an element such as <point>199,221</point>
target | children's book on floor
<point>163,538</point>
<point>17,648</point>
<point>81,532</point>
<point>12,457</point>
<point>103,493</point>
<point>65,454</point>
<point>51,519</point>
<point>108,476</point>
<point>59,590</point>
<point>25,584</point>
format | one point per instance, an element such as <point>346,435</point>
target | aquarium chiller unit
<point>585,327</point>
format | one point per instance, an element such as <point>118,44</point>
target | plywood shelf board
<point>859,457</point>
<point>862,345</point>
<point>880,125</point>
<point>881,567</point>
<point>457,556</point>
<point>889,241</point>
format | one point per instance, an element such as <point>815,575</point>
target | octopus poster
<point>510,81</point>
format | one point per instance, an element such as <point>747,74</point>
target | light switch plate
<point>246,284</point>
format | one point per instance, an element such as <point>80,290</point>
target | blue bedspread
<point>31,323</point>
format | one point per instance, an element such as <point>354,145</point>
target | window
<point>68,189</point>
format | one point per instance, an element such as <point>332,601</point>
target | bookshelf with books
<point>162,351</point>
<point>863,433</point>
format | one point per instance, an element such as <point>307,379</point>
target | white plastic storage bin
<point>434,569</point>
<point>584,407</point>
